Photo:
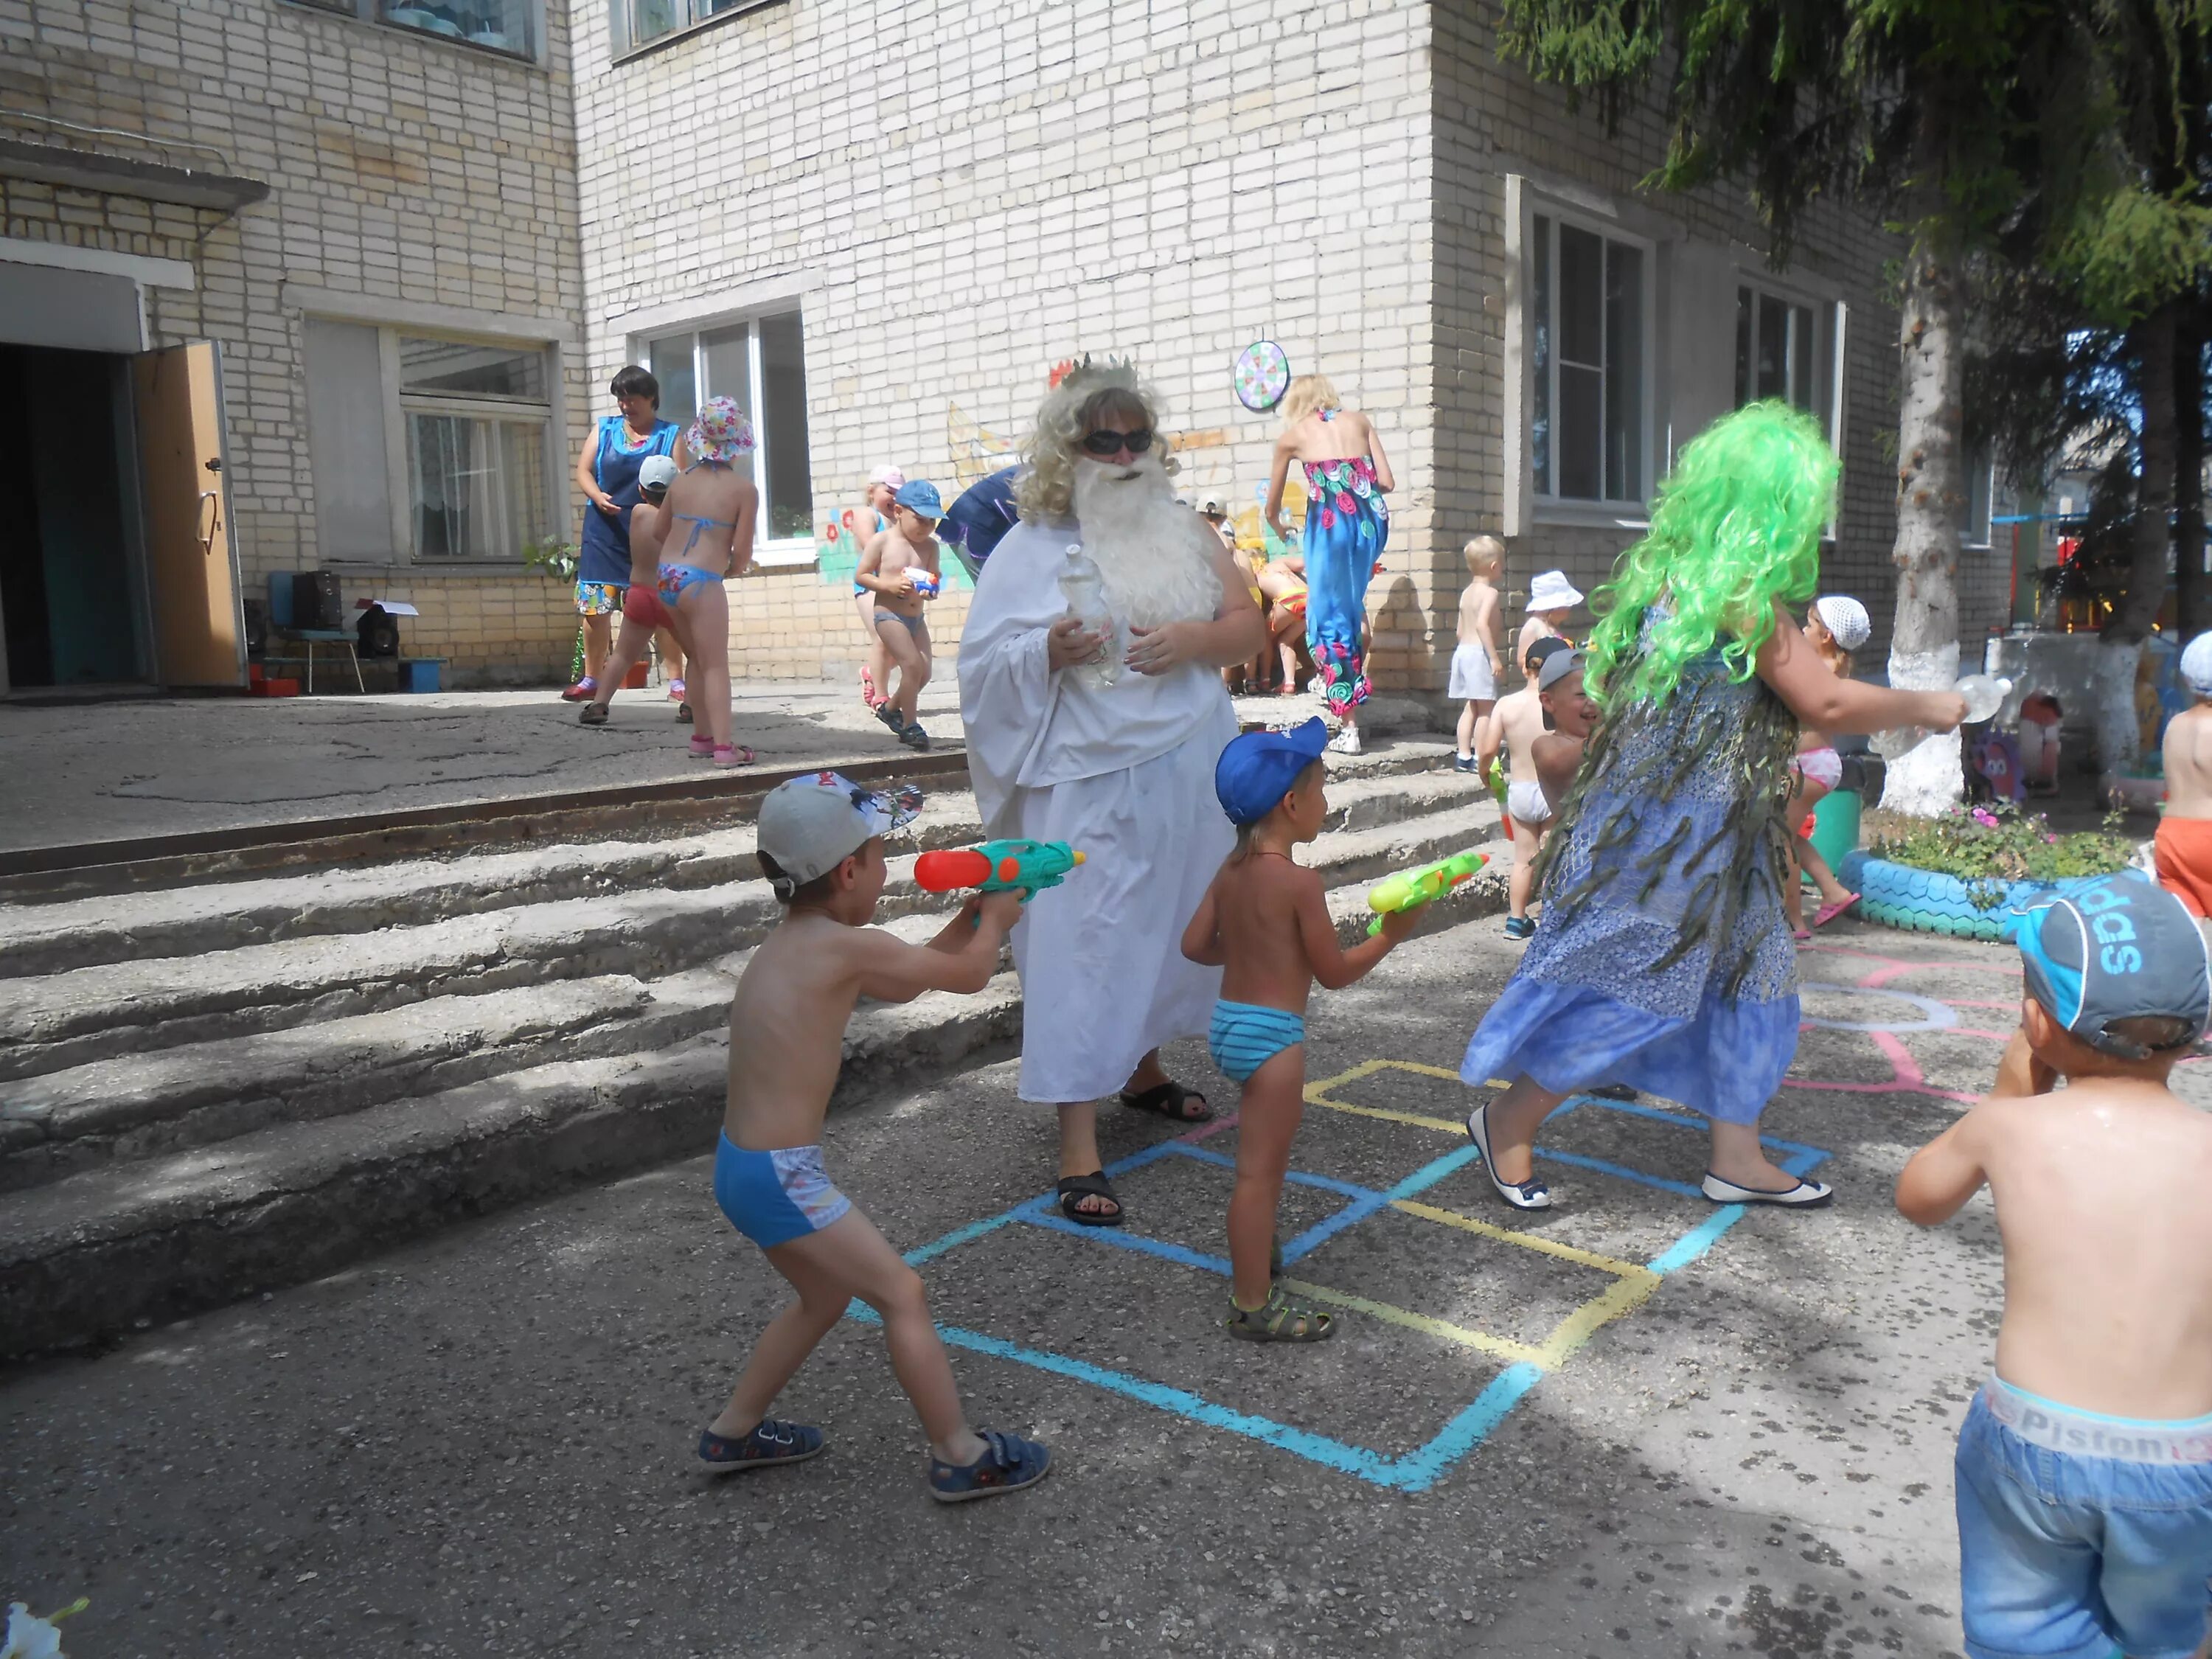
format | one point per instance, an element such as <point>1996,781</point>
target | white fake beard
<point>1154,555</point>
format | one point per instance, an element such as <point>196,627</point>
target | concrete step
<point>1407,778</point>
<point>88,1257</point>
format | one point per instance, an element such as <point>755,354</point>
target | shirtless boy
<point>2085,1462</point>
<point>2184,846</point>
<point>821,847</point>
<point>901,566</point>
<point>1476,667</point>
<point>1265,922</point>
<point>1552,600</point>
<point>1571,716</point>
<point>643,614</point>
<point>1514,726</point>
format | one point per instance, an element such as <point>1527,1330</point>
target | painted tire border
<point>1929,902</point>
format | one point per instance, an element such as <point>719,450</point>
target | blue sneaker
<point>1008,1463</point>
<point>1463,763</point>
<point>1520,927</point>
<point>767,1441</point>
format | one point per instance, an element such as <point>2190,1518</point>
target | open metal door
<point>192,560</point>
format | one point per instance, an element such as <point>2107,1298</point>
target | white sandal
<point>1521,1194</point>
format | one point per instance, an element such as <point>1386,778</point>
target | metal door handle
<point>210,499</point>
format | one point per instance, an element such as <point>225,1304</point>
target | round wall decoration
<point>1262,375</point>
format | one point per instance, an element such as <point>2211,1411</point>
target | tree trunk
<point>1923,650</point>
<point>2151,541</point>
<point>2189,477</point>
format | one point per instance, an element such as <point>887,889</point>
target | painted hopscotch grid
<point>1526,1363</point>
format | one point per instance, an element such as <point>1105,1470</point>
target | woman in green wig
<point>1662,960</point>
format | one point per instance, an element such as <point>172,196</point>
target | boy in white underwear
<point>1476,667</point>
<point>821,847</point>
<point>902,567</point>
<point>2085,1463</point>
<point>1514,726</point>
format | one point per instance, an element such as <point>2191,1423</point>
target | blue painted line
<point>1679,1188</point>
<point>959,1236</point>
<point>1709,1232</point>
<point>1321,1232</point>
<point>1347,1189</point>
<point>1420,1470</point>
<point>1429,1174</point>
<point>1121,1239</point>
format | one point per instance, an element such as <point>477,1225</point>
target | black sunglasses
<point>1112,443</point>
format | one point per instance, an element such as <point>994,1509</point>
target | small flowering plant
<point>1990,848</point>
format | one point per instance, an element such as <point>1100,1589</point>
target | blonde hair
<point>1486,553</point>
<point>1044,491</point>
<point>1308,393</point>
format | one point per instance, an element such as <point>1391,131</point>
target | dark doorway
<point>67,577</point>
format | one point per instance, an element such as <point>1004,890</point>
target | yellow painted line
<point>1500,1347</point>
<point>1623,1296</point>
<point>1444,1125</point>
<point>1604,1264</point>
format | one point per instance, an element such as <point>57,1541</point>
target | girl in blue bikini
<point>709,513</point>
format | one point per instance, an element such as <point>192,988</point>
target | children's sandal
<point>1281,1318</point>
<point>1828,913</point>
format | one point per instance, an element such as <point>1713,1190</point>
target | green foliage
<point>1734,527</point>
<point>1988,848</point>
<point>553,556</point>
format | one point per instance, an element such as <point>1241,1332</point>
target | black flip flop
<point>1167,1100</point>
<point>1075,1188</point>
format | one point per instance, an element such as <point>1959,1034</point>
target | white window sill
<point>1591,515</point>
<point>783,555</point>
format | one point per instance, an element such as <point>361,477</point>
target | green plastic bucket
<point>1836,826</point>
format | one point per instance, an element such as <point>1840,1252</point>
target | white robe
<point>1125,773</point>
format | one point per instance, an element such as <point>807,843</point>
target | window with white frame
<point>1776,349</point>
<point>762,363</point>
<point>1977,488</point>
<point>506,25</point>
<point>639,22</point>
<point>470,422</point>
<point>1589,294</point>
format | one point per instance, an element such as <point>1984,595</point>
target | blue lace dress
<point>1662,959</point>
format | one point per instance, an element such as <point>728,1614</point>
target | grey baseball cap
<point>2119,947</point>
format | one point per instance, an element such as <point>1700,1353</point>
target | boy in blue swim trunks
<point>2085,1463</point>
<point>821,847</point>
<point>1265,922</point>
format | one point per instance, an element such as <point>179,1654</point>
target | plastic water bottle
<point>1085,587</point>
<point>1985,694</point>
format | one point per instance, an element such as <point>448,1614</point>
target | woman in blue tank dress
<point>1347,475</point>
<point>1662,959</point>
<point>607,473</point>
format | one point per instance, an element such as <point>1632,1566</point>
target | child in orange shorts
<point>2183,848</point>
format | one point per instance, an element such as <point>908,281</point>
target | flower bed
<point>1969,871</point>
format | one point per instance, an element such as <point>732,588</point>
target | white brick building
<point>879,225</point>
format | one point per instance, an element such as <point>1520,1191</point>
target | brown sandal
<point>1281,1318</point>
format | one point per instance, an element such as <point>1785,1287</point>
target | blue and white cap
<point>810,825</point>
<point>2119,947</point>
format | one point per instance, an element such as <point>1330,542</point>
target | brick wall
<point>960,195</point>
<point>402,169</point>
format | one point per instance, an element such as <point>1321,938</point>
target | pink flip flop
<point>1828,913</point>
<point>1803,935</point>
<point>868,689</point>
<point>733,754</point>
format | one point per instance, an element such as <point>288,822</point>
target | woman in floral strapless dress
<point>1346,525</point>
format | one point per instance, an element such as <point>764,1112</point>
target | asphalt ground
<point>1636,1426</point>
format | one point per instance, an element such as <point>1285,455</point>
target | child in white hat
<point>1551,597</point>
<point>1836,626</point>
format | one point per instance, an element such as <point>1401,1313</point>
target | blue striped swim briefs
<point>1245,1037</point>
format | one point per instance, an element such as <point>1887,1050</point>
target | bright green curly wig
<point>1736,527</point>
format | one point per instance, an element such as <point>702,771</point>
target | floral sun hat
<point>719,433</point>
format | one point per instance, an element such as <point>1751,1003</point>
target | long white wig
<point>1044,489</point>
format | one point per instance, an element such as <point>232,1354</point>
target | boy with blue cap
<point>1265,922</point>
<point>901,568</point>
<point>2085,1462</point>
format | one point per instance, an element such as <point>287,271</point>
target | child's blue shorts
<point>773,1198</point>
<point>2081,1535</point>
<point>1245,1037</point>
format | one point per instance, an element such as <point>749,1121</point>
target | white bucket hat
<point>1846,619</point>
<point>1552,591</point>
<point>2196,664</point>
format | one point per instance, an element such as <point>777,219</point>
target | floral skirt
<point>1726,1062</point>
<point>1341,547</point>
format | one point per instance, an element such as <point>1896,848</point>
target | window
<point>647,21</point>
<point>506,25</point>
<point>1977,479</point>
<point>456,466</point>
<point>1588,298</point>
<point>762,363</point>
<point>1775,350</point>
<point>477,415</point>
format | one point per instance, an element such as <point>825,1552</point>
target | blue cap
<point>2118,947</point>
<point>1257,769</point>
<point>920,495</point>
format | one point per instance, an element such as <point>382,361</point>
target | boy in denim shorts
<point>2085,1463</point>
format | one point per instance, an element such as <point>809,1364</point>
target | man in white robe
<point>1124,771</point>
